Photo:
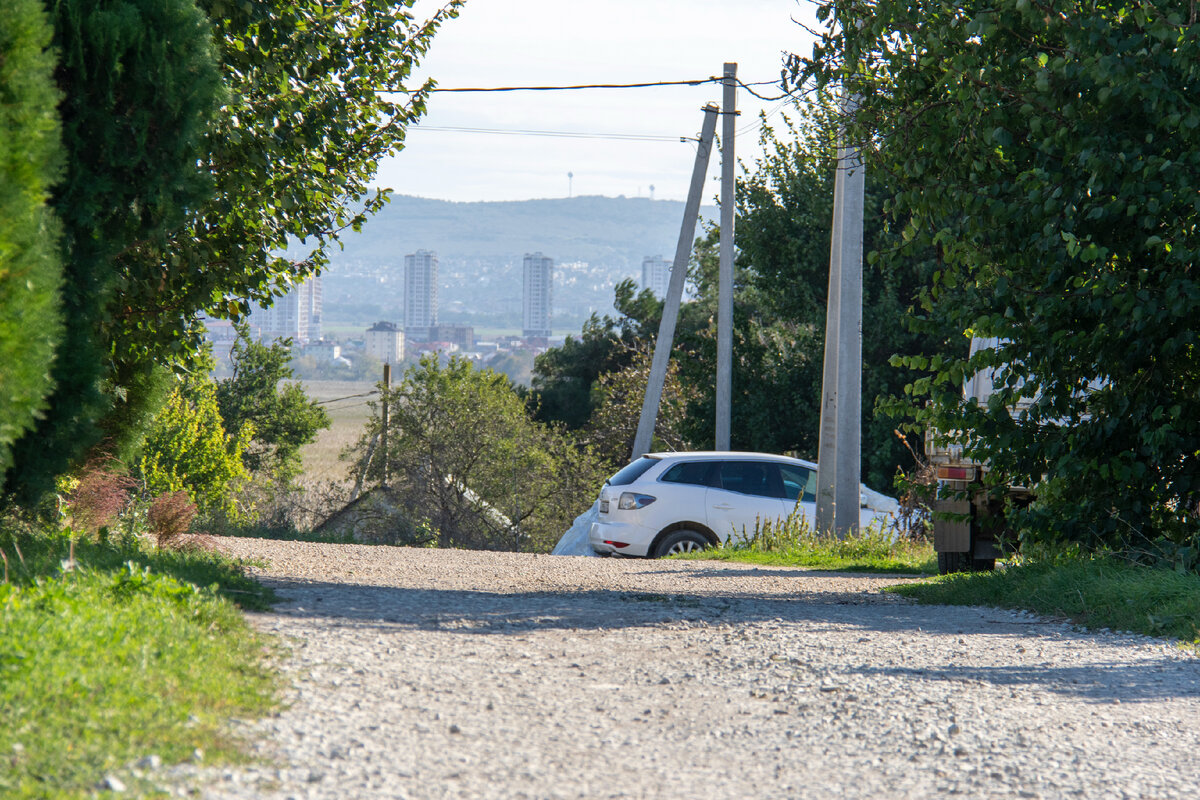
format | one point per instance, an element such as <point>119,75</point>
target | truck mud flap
<point>952,535</point>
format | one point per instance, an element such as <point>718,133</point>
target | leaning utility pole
<point>840,453</point>
<point>666,326</point>
<point>725,275</point>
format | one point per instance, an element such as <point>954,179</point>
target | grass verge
<point>1093,593</point>
<point>792,543</point>
<point>129,653</point>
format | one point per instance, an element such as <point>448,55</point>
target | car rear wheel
<point>681,542</point>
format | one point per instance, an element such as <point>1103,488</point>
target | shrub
<point>189,450</point>
<point>170,516</point>
<point>98,497</point>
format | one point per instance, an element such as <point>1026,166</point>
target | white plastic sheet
<point>575,541</point>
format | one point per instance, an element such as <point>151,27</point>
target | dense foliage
<point>139,84</point>
<point>1050,152</point>
<point>258,398</point>
<point>202,138</point>
<point>30,160</point>
<point>189,450</point>
<point>464,454</point>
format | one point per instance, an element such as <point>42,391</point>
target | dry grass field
<point>322,458</point>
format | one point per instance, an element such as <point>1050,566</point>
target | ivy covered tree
<point>30,268</point>
<point>1049,152</point>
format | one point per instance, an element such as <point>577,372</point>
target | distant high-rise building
<point>656,275</point>
<point>295,316</point>
<point>420,294</point>
<point>385,341</point>
<point>537,304</point>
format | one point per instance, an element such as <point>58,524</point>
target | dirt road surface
<point>450,674</point>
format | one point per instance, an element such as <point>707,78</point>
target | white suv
<point>665,503</point>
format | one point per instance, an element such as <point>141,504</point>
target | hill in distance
<point>599,230</point>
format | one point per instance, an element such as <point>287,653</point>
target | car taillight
<point>631,501</point>
<point>617,544</point>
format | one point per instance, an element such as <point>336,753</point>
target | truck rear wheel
<point>952,562</point>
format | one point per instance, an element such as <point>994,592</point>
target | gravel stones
<point>435,673</point>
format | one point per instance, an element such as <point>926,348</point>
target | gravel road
<point>438,673</point>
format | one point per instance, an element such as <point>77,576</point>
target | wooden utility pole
<point>666,326</point>
<point>725,276</point>
<point>840,453</point>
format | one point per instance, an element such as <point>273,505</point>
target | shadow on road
<point>478,613</point>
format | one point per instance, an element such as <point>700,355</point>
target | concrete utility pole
<point>666,326</point>
<point>839,457</point>
<point>383,419</point>
<point>725,276</point>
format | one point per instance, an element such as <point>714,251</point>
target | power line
<point>348,397</point>
<point>575,87</point>
<point>628,137</point>
<point>579,86</point>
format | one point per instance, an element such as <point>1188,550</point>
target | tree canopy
<point>202,138</point>
<point>1049,152</point>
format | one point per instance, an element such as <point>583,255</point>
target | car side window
<point>751,477</point>
<point>692,472</point>
<point>798,483</point>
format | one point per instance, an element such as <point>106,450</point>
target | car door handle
<point>723,507</point>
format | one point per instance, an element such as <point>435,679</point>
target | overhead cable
<point>628,137</point>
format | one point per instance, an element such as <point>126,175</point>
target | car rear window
<point>632,472</point>
<point>694,472</point>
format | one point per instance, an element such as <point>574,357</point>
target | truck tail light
<point>956,473</point>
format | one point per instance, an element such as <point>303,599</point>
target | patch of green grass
<point>111,661</point>
<point>1094,593</point>
<point>793,543</point>
<point>39,554</point>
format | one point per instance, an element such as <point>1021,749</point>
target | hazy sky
<point>556,42</point>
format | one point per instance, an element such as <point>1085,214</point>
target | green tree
<point>188,449</point>
<point>464,453</point>
<point>196,215</point>
<point>564,377</point>
<point>30,269</point>
<point>316,96</point>
<point>257,397</point>
<point>1050,153</point>
<point>139,83</point>
<point>618,397</point>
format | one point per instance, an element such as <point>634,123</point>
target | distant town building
<point>385,341</point>
<point>461,335</point>
<point>537,297</point>
<point>295,316</point>
<point>420,294</point>
<point>322,350</point>
<point>656,275</point>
